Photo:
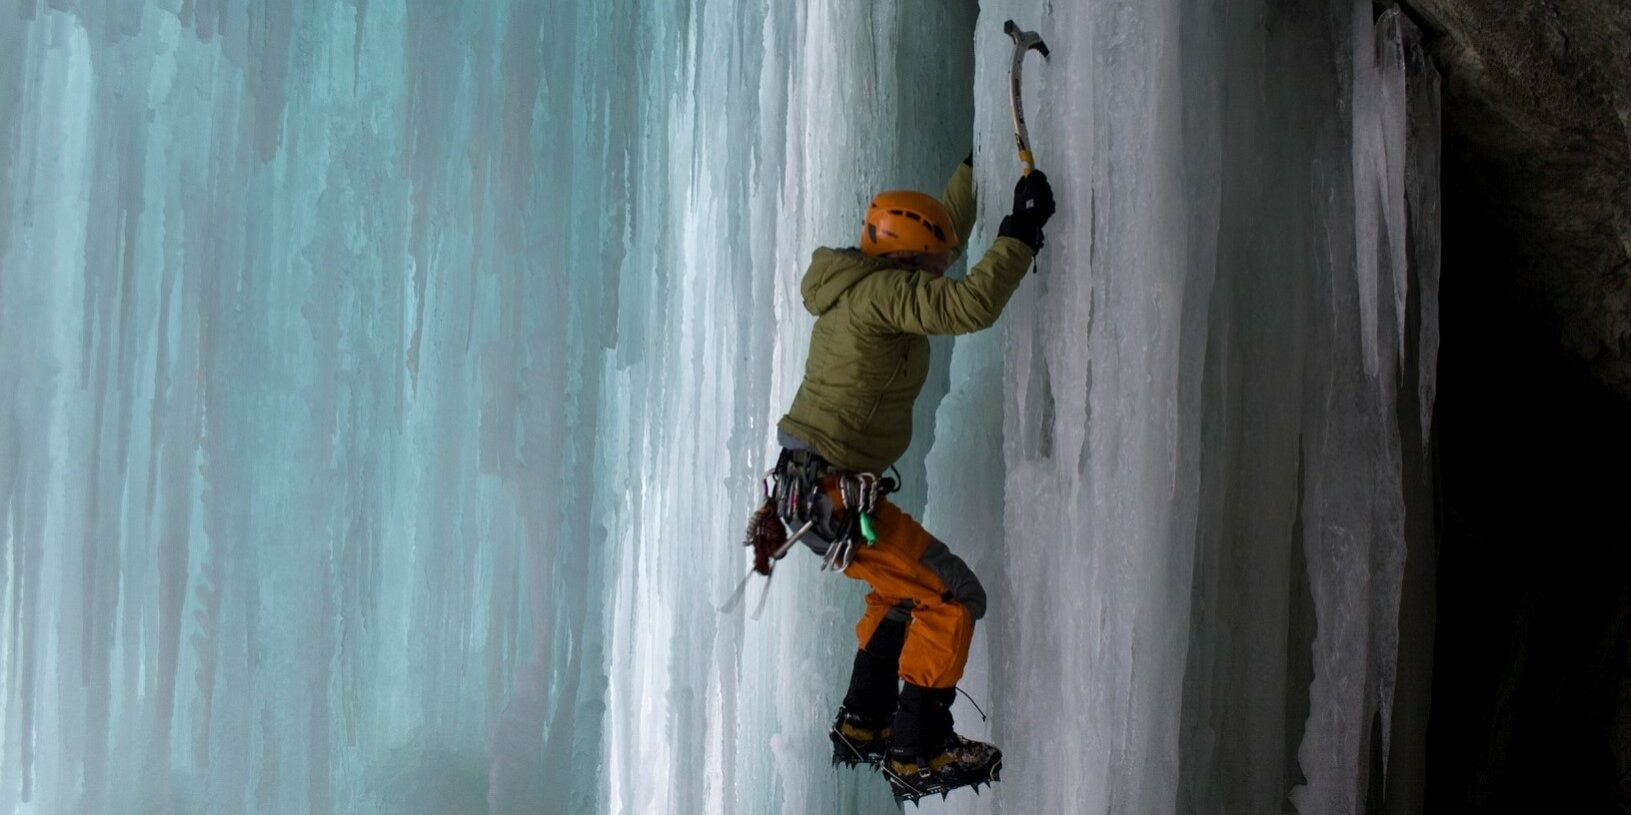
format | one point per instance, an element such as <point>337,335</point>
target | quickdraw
<point>858,492</point>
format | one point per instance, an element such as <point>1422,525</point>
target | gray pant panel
<point>965,588</point>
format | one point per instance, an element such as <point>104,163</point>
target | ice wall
<point>1203,537</point>
<point>386,383</point>
<point>304,319</point>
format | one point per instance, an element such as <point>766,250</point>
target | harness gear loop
<point>794,496</point>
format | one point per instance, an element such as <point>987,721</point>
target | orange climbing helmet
<point>907,221</point>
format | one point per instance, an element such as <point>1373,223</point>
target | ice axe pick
<point>1023,41</point>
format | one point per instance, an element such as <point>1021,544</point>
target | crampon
<point>963,765</point>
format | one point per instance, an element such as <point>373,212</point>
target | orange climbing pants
<point>909,569</point>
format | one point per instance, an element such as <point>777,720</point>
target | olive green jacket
<point>869,351</point>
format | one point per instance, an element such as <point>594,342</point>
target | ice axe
<point>1023,41</point>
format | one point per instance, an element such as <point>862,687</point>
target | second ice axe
<point>1023,41</point>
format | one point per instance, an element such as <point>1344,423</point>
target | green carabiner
<point>866,529</point>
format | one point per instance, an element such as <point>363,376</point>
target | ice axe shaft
<point>1023,41</point>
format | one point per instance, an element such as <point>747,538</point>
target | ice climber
<point>875,306</point>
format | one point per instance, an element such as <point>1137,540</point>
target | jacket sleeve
<point>959,200</point>
<point>919,303</point>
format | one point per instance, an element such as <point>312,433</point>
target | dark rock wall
<point>1537,106</point>
<point>1531,706</point>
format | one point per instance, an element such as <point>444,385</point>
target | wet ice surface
<point>387,383</point>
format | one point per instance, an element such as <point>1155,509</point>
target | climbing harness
<point>803,478</point>
<point>794,493</point>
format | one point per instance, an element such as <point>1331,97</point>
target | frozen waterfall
<point>385,384</point>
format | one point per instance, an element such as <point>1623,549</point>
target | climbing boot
<point>925,755</point>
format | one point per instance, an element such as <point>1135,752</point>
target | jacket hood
<point>832,272</point>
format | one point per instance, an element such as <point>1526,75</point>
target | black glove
<point>1033,198</point>
<point>1030,233</point>
<point>1033,206</point>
